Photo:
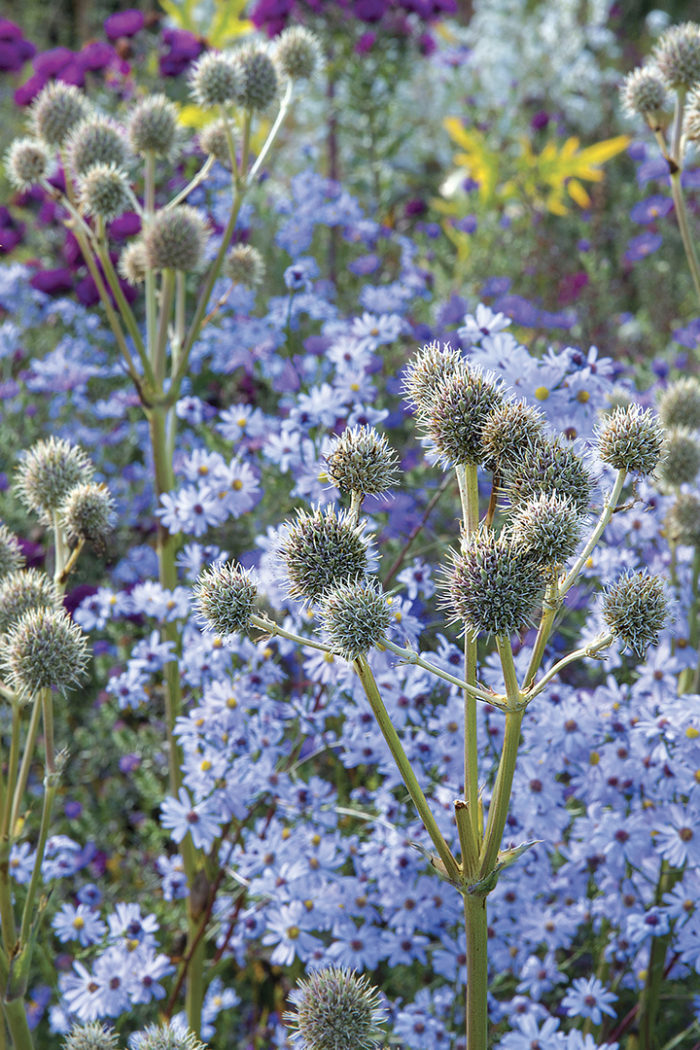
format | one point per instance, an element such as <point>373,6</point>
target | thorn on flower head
<point>225,598</point>
<point>213,139</point>
<point>298,53</point>
<point>175,239</point>
<point>677,55</point>
<point>644,93</point>
<point>166,1037</point>
<point>214,80</point>
<point>508,428</point>
<point>97,140</point>
<point>361,460</point>
<point>88,514</point>
<point>152,126</point>
<point>546,528</point>
<point>321,550</point>
<point>133,264</point>
<point>244,265</point>
<point>433,363</point>
<point>355,616</point>
<point>631,439</point>
<point>104,192</point>
<point>258,82</point>
<point>335,1009</point>
<point>27,163</point>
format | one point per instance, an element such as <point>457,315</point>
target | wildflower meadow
<point>350,526</point>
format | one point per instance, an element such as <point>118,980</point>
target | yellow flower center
<point>542,393</point>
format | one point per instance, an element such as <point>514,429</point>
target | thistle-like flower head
<point>635,608</point>
<point>361,460</point>
<point>175,239</point>
<point>335,1009</point>
<point>680,460</point>
<point>630,438</point>
<point>87,513</point>
<point>258,82</point>
<point>683,520</point>
<point>509,427</point>
<point>104,192</point>
<point>691,119</point>
<point>27,163</point>
<point>214,80</point>
<point>47,473</point>
<point>679,405</point>
<point>152,126</point>
<point>213,139</point>
<point>461,405</point>
<point>24,590</point>
<point>424,373</point>
<point>91,1036</point>
<point>322,550</point>
<point>355,616</point>
<point>11,557</point>
<point>225,598</point>
<point>56,111</point>
<point>97,140</point>
<point>244,265</point>
<point>644,93</point>
<point>677,55</point>
<point>166,1037</point>
<point>43,649</point>
<point>298,53</point>
<point>133,263</point>
<point>546,528</point>
<point>548,466</point>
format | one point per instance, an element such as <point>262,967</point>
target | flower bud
<point>214,80</point>
<point>27,163</point>
<point>679,405</point>
<point>56,111</point>
<point>334,1009</point>
<point>635,610</point>
<point>25,590</point>
<point>244,265</point>
<point>104,192</point>
<point>508,428</point>
<point>548,466</point>
<point>165,1037</point>
<point>355,616</point>
<point>87,514</point>
<point>677,55</point>
<point>362,461</point>
<point>322,550</point>
<point>644,94</point>
<point>48,472</point>
<point>683,520</point>
<point>460,407</point>
<point>214,140</point>
<point>133,264</point>
<point>631,439</point>
<point>43,649</point>
<point>175,239</point>
<point>92,1036</point>
<point>546,528</point>
<point>298,53</point>
<point>258,83</point>
<point>97,141</point>
<point>680,460</point>
<point>225,598</point>
<point>152,126</point>
<point>492,585</point>
<point>11,557</point>
<point>425,372</point>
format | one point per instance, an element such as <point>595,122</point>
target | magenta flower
<point>124,23</point>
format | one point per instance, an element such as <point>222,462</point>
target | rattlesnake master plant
<point>335,1009</point>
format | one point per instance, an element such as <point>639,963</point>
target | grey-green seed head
<point>508,428</point>
<point>56,111</point>
<point>27,163</point>
<point>677,55</point>
<point>92,1036</point>
<point>679,405</point>
<point>298,53</point>
<point>25,590</point>
<point>680,461</point>
<point>547,529</point>
<point>545,467</point>
<point>322,550</point>
<point>635,609</point>
<point>214,141</point>
<point>691,119</point>
<point>104,192</point>
<point>683,520</point>
<point>225,598</point>
<point>87,513</point>
<point>362,461</point>
<point>214,80</point>
<point>47,473</point>
<point>244,265</point>
<point>11,557</point>
<point>644,93</point>
<point>492,586</point>
<point>97,140</point>
<point>460,407</point>
<point>631,439</point>
<point>334,1009</point>
<point>152,126</point>
<point>175,239</point>
<point>43,649</point>
<point>133,263</point>
<point>355,617</point>
<point>165,1037</point>
<point>258,83</point>
<point>431,365</point>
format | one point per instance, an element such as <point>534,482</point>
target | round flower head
<point>48,472</point>
<point>677,55</point>
<point>104,192</point>
<point>244,265</point>
<point>321,550</point>
<point>27,163</point>
<point>630,438</point>
<point>258,83</point>
<point>355,616</point>
<point>25,590</point>
<point>460,407</point>
<point>680,461</point>
<point>152,126</point>
<point>133,263</point>
<point>362,461</point>
<point>334,1009</point>
<point>507,429</point>
<point>57,109</point>
<point>548,466</point>
<point>644,94</point>
<point>298,53</point>
<point>213,140</point>
<point>691,119</point>
<point>175,239</point>
<point>87,513</point>
<point>683,520</point>
<point>546,528</point>
<point>43,649</point>
<point>426,371</point>
<point>679,405</point>
<point>635,610</point>
<point>492,585</point>
<point>225,598</point>
<point>214,80</point>
<point>11,557</point>
<point>97,141</point>
<point>90,1036</point>
<point>165,1037</point>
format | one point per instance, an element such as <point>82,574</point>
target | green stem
<point>27,757</point>
<point>6,827</point>
<point>405,768</point>
<point>689,675</point>
<point>649,1001</point>
<point>603,520</point>
<point>595,647</point>
<point>684,227</point>
<point>476,929</point>
<point>409,656</point>
<point>16,1018</point>
<point>7,917</point>
<point>467,478</point>
<point>159,349</point>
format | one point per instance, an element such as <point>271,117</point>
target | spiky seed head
<point>322,550</point>
<point>244,265</point>
<point>298,53</point>
<point>11,557</point>
<point>630,438</point>
<point>104,192</point>
<point>175,239</point>
<point>214,80</point>
<point>165,1037</point>
<point>27,163</point>
<point>492,585</point>
<point>47,473</point>
<point>460,407</point>
<point>335,1009</point>
<point>424,373</point>
<point>644,93</point>
<point>56,111</point>
<point>43,648</point>
<point>355,617</point>
<point>683,520</point>
<point>133,263</point>
<point>548,466</point>
<point>680,459</point>
<point>152,126</point>
<point>87,513</point>
<point>92,1036</point>
<point>214,141</point>
<point>617,398</point>
<point>547,528</point>
<point>25,590</point>
<point>635,609</point>
<point>691,119</point>
<point>258,82</point>
<point>97,140</point>
<point>362,460</point>
<point>679,404</point>
<point>508,428</point>
<point>225,598</point>
<point>677,55</point>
